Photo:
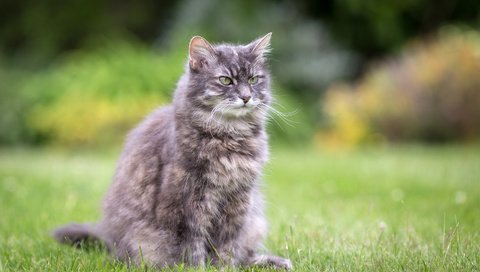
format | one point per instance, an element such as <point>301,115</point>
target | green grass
<point>408,208</point>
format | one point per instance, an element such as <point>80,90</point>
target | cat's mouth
<point>243,108</point>
<point>235,109</point>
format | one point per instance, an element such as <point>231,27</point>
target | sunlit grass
<point>389,209</point>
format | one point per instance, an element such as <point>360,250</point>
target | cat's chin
<point>238,112</point>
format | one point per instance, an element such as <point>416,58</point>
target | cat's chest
<point>234,168</point>
<point>229,166</point>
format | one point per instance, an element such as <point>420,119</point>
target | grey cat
<point>186,188</point>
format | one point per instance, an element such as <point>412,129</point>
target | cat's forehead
<point>235,53</point>
<point>236,59</point>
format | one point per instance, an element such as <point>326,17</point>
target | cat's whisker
<point>283,116</point>
<point>270,118</point>
<point>278,104</point>
<point>210,118</point>
<point>288,114</point>
<point>212,113</point>
<point>213,117</point>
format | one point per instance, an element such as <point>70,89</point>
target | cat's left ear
<point>261,46</point>
<point>200,52</point>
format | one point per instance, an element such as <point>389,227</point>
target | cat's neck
<point>221,126</point>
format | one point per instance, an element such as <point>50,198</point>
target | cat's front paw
<point>272,261</point>
<point>281,263</point>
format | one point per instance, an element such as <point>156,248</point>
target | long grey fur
<point>187,184</point>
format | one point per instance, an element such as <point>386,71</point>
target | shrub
<point>13,106</point>
<point>431,92</point>
<point>95,97</point>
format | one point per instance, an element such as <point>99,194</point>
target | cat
<point>186,188</point>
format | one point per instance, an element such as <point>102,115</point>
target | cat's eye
<point>253,80</point>
<point>225,80</point>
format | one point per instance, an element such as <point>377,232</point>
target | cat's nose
<point>245,98</point>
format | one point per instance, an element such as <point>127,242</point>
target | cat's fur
<point>187,183</point>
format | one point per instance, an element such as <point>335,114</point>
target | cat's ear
<point>200,52</point>
<point>261,46</point>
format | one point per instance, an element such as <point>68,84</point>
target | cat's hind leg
<point>150,246</point>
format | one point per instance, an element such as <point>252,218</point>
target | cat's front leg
<point>227,256</point>
<point>195,237</point>
<point>196,253</point>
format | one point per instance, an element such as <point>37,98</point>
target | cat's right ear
<point>200,53</point>
<point>261,46</point>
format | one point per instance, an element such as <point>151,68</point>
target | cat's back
<point>152,139</point>
<point>153,133</point>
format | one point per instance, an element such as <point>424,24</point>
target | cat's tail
<point>79,235</point>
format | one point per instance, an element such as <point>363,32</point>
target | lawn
<point>376,209</point>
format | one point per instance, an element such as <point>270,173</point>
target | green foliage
<point>429,93</point>
<point>13,105</point>
<point>367,210</point>
<point>95,97</point>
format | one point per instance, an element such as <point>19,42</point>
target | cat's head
<point>231,80</point>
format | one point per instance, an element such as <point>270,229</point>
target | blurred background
<point>346,73</point>
<point>375,154</point>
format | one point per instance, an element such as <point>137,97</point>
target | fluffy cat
<point>186,188</point>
